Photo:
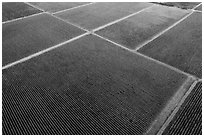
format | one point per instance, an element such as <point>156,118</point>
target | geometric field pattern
<point>100,68</point>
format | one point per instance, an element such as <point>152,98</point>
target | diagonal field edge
<point>170,118</point>
<point>34,6</point>
<point>43,51</point>
<point>162,32</point>
<point>196,6</point>
<point>118,20</point>
<point>74,7</point>
<point>68,22</point>
<point>197,11</point>
<point>170,106</point>
<point>91,32</point>
<point>22,18</point>
<point>42,11</point>
<point>46,50</point>
<point>51,14</point>
<point>149,58</point>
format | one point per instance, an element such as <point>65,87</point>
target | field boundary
<point>174,103</point>
<point>48,49</point>
<point>149,58</point>
<point>92,32</point>
<point>73,8</point>
<point>35,6</point>
<point>170,107</point>
<point>58,17</point>
<point>170,118</point>
<point>123,18</point>
<point>163,31</point>
<point>197,11</point>
<point>68,22</point>
<point>196,6</point>
<point>8,21</point>
<point>43,51</point>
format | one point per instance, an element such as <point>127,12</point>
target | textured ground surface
<point>181,46</point>
<point>96,82</point>
<point>100,14</point>
<point>183,5</point>
<point>57,6</point>
<point>108,80</point>
<point>141,27</point>
<point>25,37</point>
<point>199,8</point>
<point>13,10</point>
<point>188,120</point>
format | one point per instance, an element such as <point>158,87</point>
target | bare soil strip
<point>197,11</point>
<point>68,22</point>
<point>35,6</point>
<point>176,109</point>
<point>125,91</point>
<point>46,50</point>
<point>188,119</point>
<point>92,32</point>
<point>171,105</point>
<point>22,18</point>
<point>180,95</point>
<point>196,6</point>
<point>149,58</point>
<point>162,32</point>
<point>116,21</point>
<point>41,52</point>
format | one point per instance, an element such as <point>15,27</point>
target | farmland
<point>199,8</point>
<point>57,6</point>
<point>192,109</point>
<point>101,69</point>
<point>100,14</point>
<point>13,10</point>
<point>141,27</point>
<point>117,86</point>
<point>182,5</point>
<point>31,35</point>
<point>177,49</point>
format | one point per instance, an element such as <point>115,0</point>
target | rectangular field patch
<point>88,86</point>
<point>99,14</point>
<point>181,46</point>
<point>28,36</point>
<point>141,27</point>
<point>13,10</point>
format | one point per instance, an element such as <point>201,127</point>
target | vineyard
<point>100,68</point>
<point>189,114</point>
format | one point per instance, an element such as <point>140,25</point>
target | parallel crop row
<point>188,120</point>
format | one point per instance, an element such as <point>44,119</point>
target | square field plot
<point>13,10</point>
<point>181,46</point>
<point>88,86</point>
<point>141,27</point>
<point>57,6</point>
<point>99,14</point>
<point>27,36</point>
